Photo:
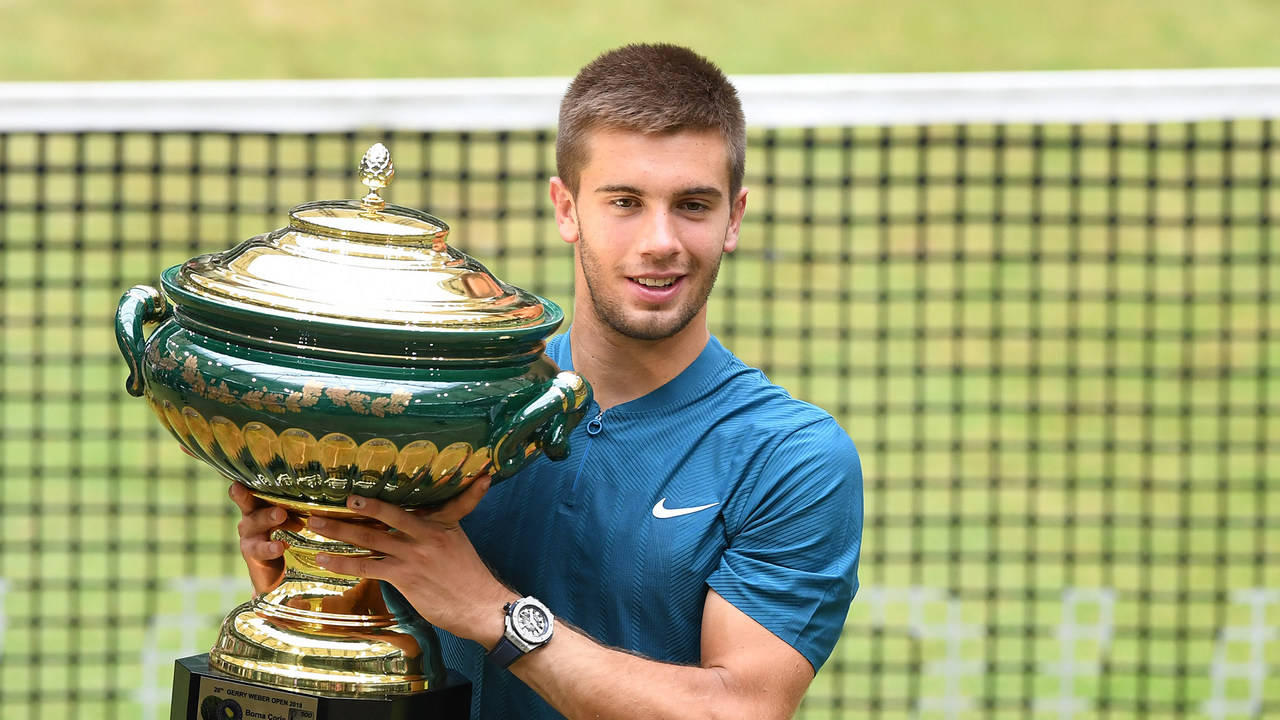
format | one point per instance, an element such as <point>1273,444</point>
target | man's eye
<point>695,206</point>
<point>623,202</point>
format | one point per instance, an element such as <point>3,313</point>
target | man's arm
<point>746,671</point>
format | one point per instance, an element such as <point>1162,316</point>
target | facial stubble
<point>610,312</point>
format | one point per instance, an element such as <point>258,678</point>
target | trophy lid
<point>358,280</point>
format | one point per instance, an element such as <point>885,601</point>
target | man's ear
<point>735,221</point>
<point>566,214</point>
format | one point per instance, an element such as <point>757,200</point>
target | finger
<point>244,499</point>
<point>392,516</point>
<point>261,549</point>
<point>359,566</point>
<point>462,505</point>
<point>360,535</point>
<point>261,522</point>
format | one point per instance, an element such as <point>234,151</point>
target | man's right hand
<point>264,556</point>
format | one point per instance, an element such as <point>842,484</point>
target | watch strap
<point>504,653</point>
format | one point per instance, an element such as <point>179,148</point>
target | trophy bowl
<point>352,351</point>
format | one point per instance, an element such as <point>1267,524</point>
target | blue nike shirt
<point>718,479</point>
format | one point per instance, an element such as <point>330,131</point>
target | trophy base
<point>202,693</point>
<point>358,652</point>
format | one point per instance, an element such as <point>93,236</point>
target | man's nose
<point>660,236</point>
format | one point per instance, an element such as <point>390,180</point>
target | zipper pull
<point>596,425</point>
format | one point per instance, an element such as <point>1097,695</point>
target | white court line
<point>1256,634</point>
<point>158,659</point>
<point>1069,666</point>
<point>953,631</point>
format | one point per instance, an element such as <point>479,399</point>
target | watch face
<point>532,623</point>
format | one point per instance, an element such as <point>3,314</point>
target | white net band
<point>531,103</point>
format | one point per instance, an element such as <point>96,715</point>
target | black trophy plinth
<point>201,693</point>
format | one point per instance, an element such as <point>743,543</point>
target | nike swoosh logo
<point>660,510</point>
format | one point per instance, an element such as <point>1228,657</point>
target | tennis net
<point>1042,304</point>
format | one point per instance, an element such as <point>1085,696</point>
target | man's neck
<point>621,369</point>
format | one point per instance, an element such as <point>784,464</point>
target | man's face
<point>651,219</point>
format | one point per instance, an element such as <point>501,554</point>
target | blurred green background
<point>156,40</point>
<point>1101,458</point>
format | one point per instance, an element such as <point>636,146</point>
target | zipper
<point>595,426</point>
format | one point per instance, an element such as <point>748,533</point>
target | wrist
<point>527,626</point>
<point>492,619</point>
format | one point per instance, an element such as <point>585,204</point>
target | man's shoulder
<point>754,393</point>
<point>775,434</point>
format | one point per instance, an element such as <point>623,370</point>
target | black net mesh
<point>1054,346</point>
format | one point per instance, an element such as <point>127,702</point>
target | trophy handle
<point>139,305</point>
<point>544,423</point>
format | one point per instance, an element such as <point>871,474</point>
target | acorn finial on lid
<point>376,172</point>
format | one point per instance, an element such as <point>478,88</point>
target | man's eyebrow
<point>707,190</point>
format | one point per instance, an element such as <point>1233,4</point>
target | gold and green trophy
<point>352,352</point>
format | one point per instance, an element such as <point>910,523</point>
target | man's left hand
<point>428,558</point>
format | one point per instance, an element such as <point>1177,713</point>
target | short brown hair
<point>651,89</point>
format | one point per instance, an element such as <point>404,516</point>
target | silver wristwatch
<point>529,625</point>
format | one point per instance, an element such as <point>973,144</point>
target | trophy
<point>351,352</point>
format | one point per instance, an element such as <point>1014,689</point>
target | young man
<point>699,546</point>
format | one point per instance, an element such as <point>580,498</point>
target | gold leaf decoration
<point>291,402</point>
<point>191,373</point>
<point>274,402</point>
<point>311,393</point>
<point>164,362</point>
<point>253,399</point>
<point>338,396</point>
<point>359,402</point>
<point>399,401</point>
<point>221,394</point>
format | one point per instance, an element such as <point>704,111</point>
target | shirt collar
<point>685,387</point>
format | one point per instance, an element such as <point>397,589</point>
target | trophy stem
<point>322,631</point>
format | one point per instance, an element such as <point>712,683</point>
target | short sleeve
<point>795,535</point>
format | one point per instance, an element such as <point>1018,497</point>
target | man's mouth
<point>655,282</point>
